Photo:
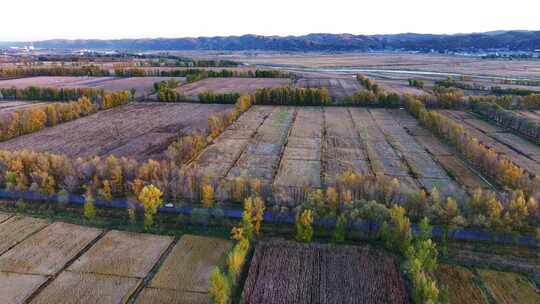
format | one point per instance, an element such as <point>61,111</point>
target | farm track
<point>91,264</point>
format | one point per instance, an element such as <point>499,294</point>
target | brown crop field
<point>16,288</point>
<point>461,286</point>
<point>142,85</point>
<point>16,229</point>
<point>122,254</point>
<point>87,288</point>
<point>47,251</point>
<point>184,275</point>
<point>338,88</point>
<point>288,272</point>
<point>65,263</point>
<point>139,130</point>
<point>509,287</point>
<point>291,148</point>
<point>229,85</point>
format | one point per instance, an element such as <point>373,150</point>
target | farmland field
<point>139,130</point>
<point>7,107</point>
<point>195,256</point>
<point>461,286</point>
<point>291,148</point>
<point>519,150</point>
<point>65,263</point>
<point>297,273</point>
<point>510,288</point>
<point>229,85</point>
<point>142,85</point>
<point>338,87</point>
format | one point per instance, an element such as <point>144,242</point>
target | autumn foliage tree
<point>150,198</point>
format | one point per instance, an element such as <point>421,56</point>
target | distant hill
<point>497,40</point>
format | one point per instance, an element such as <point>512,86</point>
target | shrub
<point>220,287</point>
<point>89,208</point>
<point>150,198</point>
<point>304,226</point>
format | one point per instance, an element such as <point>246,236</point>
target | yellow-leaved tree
<point>150,198</point>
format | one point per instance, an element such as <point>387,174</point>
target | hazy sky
<point>47,19</point>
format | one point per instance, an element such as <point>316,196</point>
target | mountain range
<point>472,42</point>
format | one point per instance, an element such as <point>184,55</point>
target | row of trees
<point>416,83</point>
<point>368,84</point>
<point>487,160</point>
<point>224,281</point>
<point>509,120</point>
<point>292,96</point>
<point>36,118</point>
<point>88,70</point>
<point>198,74</point>
<point>497,90</point>
<point>50,93</point>
<point>370,99</point>
<point>222,98</point>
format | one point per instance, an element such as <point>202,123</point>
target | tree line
<point>50,93</point>
<point>198,74</point>
<point>288,95</point>
<point>36,118</point>
<point>88,70</point>
<point>221,98</point>
<point>509,120</point>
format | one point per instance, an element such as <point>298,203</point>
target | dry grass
<point>461,286</point>
<point>16,288</point>
<point>85,288</point>
<point>138,130</point>
<point>188,266</point>
<point>47,251</point>
<point>509,287</point>
<point>16,229</point>
<point>122,254</point>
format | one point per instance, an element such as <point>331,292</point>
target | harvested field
<point>291,148</point>
<point>122,254</point>
<point>137,130</point>
<point>398,86</point>
<point>229,85</point>
<point>520,151</point>
<point>508,288</point>
<point>189,265</point>
<point>142,85</point>
<point>299,273</point>
<point>16,229</point>
<point>16,288</point>
<point>87,288</point>
<point>338,88</point>
<point>47,251</point>
<point>461,286</point>
<point>4,217</point>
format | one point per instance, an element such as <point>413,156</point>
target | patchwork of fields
<point>290,148</point>
<point>139,130</point>
<point>44,262</point>
<point>142,85</point>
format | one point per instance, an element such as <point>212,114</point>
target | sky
<point>31,20</point>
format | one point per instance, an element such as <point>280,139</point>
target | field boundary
<point>276,217</point>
